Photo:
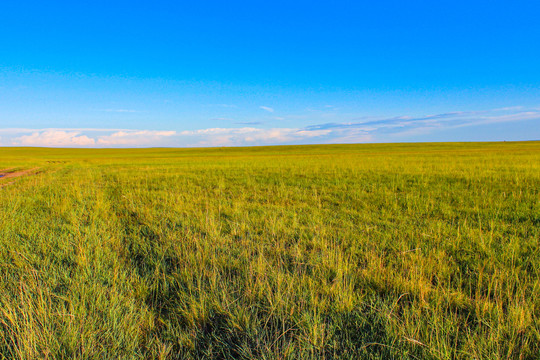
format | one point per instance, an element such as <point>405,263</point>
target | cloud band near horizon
<point>399,128</point>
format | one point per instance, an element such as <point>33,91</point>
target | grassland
<point>405,251</point>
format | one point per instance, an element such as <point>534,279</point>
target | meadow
<point>383,251</point>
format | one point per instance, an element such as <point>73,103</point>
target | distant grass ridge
<point>390,251</point>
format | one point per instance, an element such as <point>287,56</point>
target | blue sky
<point>207,73</point>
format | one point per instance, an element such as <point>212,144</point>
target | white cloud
<point>54,138</point>
<point>267,108</point>
<point>134,138</point>
<point>250,136</point>
<point>84,137</point>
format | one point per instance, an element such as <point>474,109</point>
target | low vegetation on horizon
<point>390,251</point>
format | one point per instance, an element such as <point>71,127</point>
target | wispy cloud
<point>404,125</point>
<point>267,108</point>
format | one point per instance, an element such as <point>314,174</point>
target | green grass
<point>404,251</point>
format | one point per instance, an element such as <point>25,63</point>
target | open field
<point>405,251</point>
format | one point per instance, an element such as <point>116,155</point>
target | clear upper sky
<point>209,73</point>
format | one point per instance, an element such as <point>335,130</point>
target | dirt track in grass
<point>15,173</point>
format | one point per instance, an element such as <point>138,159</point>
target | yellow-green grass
<point>405,251</point>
